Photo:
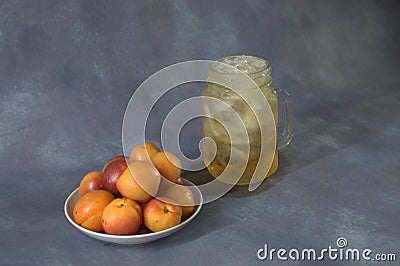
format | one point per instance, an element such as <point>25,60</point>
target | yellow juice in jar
<point>218,133</point>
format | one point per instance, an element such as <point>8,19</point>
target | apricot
<point>143,152</point>
<point>91,181</point>
<point>180,181</point>
<point>140,181</point>
<point>160,214</point>
<point>89,208</point>
<point>122,217</point>
<point>183,196</point>
<point>168,165</point>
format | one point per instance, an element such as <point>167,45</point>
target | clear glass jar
<point>259,71</point>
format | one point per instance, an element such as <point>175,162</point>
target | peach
<point>89,208</point>
<point>91,181</point>
<point>168,165</point>
<point>143,152</point>
<point>182,196</point>
<point>140,181</point>
<point>122,217</point>
<point>112,171</point>
<point>159,215</point>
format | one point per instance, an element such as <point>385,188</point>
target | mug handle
<point>286,136</point>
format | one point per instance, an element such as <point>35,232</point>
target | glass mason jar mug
<point>226,85</point>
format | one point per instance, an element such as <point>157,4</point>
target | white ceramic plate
<point>129,239</point>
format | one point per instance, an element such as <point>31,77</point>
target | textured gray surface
<point>68,69</point>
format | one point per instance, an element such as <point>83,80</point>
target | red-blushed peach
<point>168,165</point>
<point>116,158</point>
<point>91,181</point>
<point>165,184</point>
<point>140,181</point>
<point>122,216</point>
<point>143,152</point>
<point>89,209</point>
<point>159,215</point>
<point>112,171</point>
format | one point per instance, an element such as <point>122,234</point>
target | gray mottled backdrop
<point>68,69</point>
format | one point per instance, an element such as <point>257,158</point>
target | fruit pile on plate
<point>131,196</point>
